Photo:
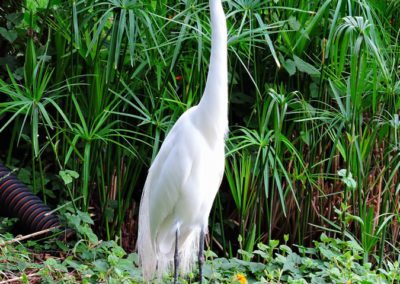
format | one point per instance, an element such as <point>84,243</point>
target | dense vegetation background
<point>89,89</point>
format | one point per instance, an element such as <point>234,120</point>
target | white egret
<point>185,175</point>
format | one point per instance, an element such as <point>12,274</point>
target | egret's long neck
<point>215,98</point>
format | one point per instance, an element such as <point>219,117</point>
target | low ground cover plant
<point>86,259</point>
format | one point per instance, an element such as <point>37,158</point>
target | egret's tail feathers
<point>153,262</point>
<point>188,251</point>
<point>145,246</point>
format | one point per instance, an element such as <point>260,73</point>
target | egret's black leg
<point>201,255</point>
<point>176,259</point>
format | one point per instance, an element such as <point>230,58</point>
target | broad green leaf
<point>305,67</point>
<point>289,66</point>
<point>10,35</point>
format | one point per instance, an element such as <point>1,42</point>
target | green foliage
<point>86,261</point>
<point>89,260</point>
<point>6,224</point>
<point>329,261</point>
<point>89,89</point>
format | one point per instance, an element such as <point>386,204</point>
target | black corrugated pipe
<point>16,200</point>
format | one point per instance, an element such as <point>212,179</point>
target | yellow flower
<point>239,278</point>
<point>348,281</point>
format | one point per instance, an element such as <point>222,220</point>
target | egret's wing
<point>159,197</point>
<point>169,171</point>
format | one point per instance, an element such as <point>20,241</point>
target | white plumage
<point>185,176</point>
